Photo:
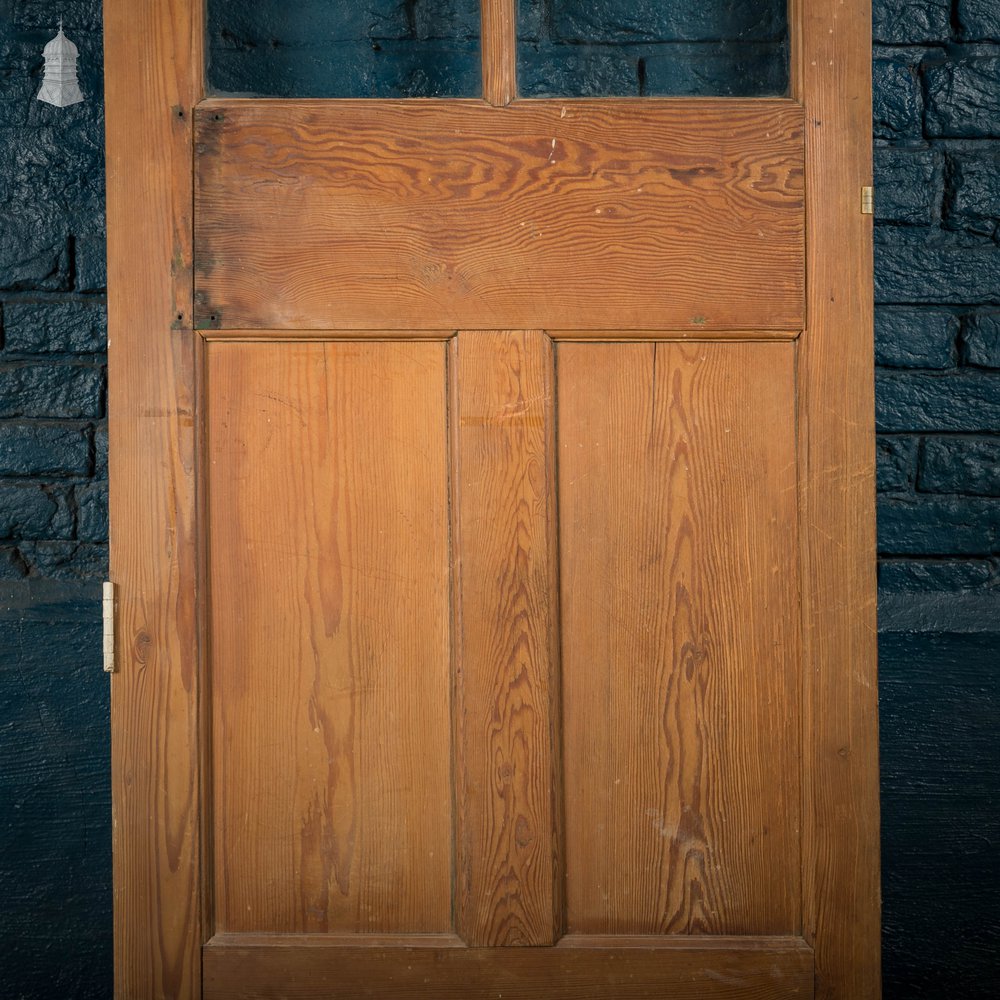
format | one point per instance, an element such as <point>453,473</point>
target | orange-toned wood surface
<point>153,77</point>
<point>716,969</point>
<point>508,880</point>
<point>499,46</point>
<point>650,214</point>
<point>327,479</point>
<point>831,75</point>
<point>679,637</point>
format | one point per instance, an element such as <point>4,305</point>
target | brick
<point>895,463</point>
<point>65,560</point>
<point>938,525</point>
<point>101,451</point>
<point>911,21</point>
<point>969,465</point>
<point>44,449</point>
<point>907,186</point>
<point>32,260</point>
<point>981,340</point>
<point>77,15</point>
<point>963,97</point>
<point>898,104</point>
<point>12,564</point>
<point>92,512</point>
<point>978,20</point>
<point>916,265</point>
<point>655,21</point>
<point>918,401</point>
<point>974,204</point>
<point>36,390</point>
<point>915,338</point>
<point>56,173</point>
<point>55,327</point>
<point>30,510</point>
<point>91,267</point>
<point>922,576</point>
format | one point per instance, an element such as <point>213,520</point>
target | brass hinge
<point>108,616</point>
<point>868,201</point>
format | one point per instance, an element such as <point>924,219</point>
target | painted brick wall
<point>937,130</point>
<point>937,285</point>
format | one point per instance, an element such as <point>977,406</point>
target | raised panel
<point>680,637</point>
<point>564,215</point>
<point>329,662</point>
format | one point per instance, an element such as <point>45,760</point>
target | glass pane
<point>637,48</point>
<point>344,48</point>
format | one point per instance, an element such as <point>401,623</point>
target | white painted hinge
<point>108,616</point>
<point>868,201</point>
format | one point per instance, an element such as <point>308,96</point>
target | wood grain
<point>841,882</point>
<point>723,969</point>
<point>499,42</point>
<point>679,637</point>
<point>602,214</point>
<point>150,90</point>
<point>507,678</point>
<point>330,618</point>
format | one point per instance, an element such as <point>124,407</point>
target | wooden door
<point>493,536</point>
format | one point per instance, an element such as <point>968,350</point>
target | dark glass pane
<point>635,48</point>
<point>344,48</point>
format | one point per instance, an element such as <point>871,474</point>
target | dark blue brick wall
<point>937,129</point>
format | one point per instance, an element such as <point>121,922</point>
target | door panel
<point>327,480</point>
<point>681,969</point>
<point>564,215</point>
<point>680,653</point>
<point>509,874</point>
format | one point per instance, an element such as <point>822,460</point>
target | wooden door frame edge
<point>831,77</point>
<point>154,66</point>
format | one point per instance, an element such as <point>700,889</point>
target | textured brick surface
<point>929,265</point>
<point>895,462</point>
<point>960,465</point>
<point>71,327</point>
<point>910,21</point>
<point>974,199</point>
<point>928,525</point>
<point>30,389</point>
<point>33,448</point>
<point>909,189</point>
<point>898,104</point>
<point>978,20</point>
<point>963,97</point>
<point>981,341</point>
<point>906,337</point>
<point>920,401</point>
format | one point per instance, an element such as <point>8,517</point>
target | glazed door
<point>492,535</point>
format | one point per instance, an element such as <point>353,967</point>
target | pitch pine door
<point>492,529</point>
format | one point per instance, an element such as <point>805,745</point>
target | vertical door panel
<point>679,637</point>
<point>330,663</point>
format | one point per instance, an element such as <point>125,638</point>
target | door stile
<point>499,51</point>
<point>508,858</point>
<point>154,77</point>
<point>831,77</point>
